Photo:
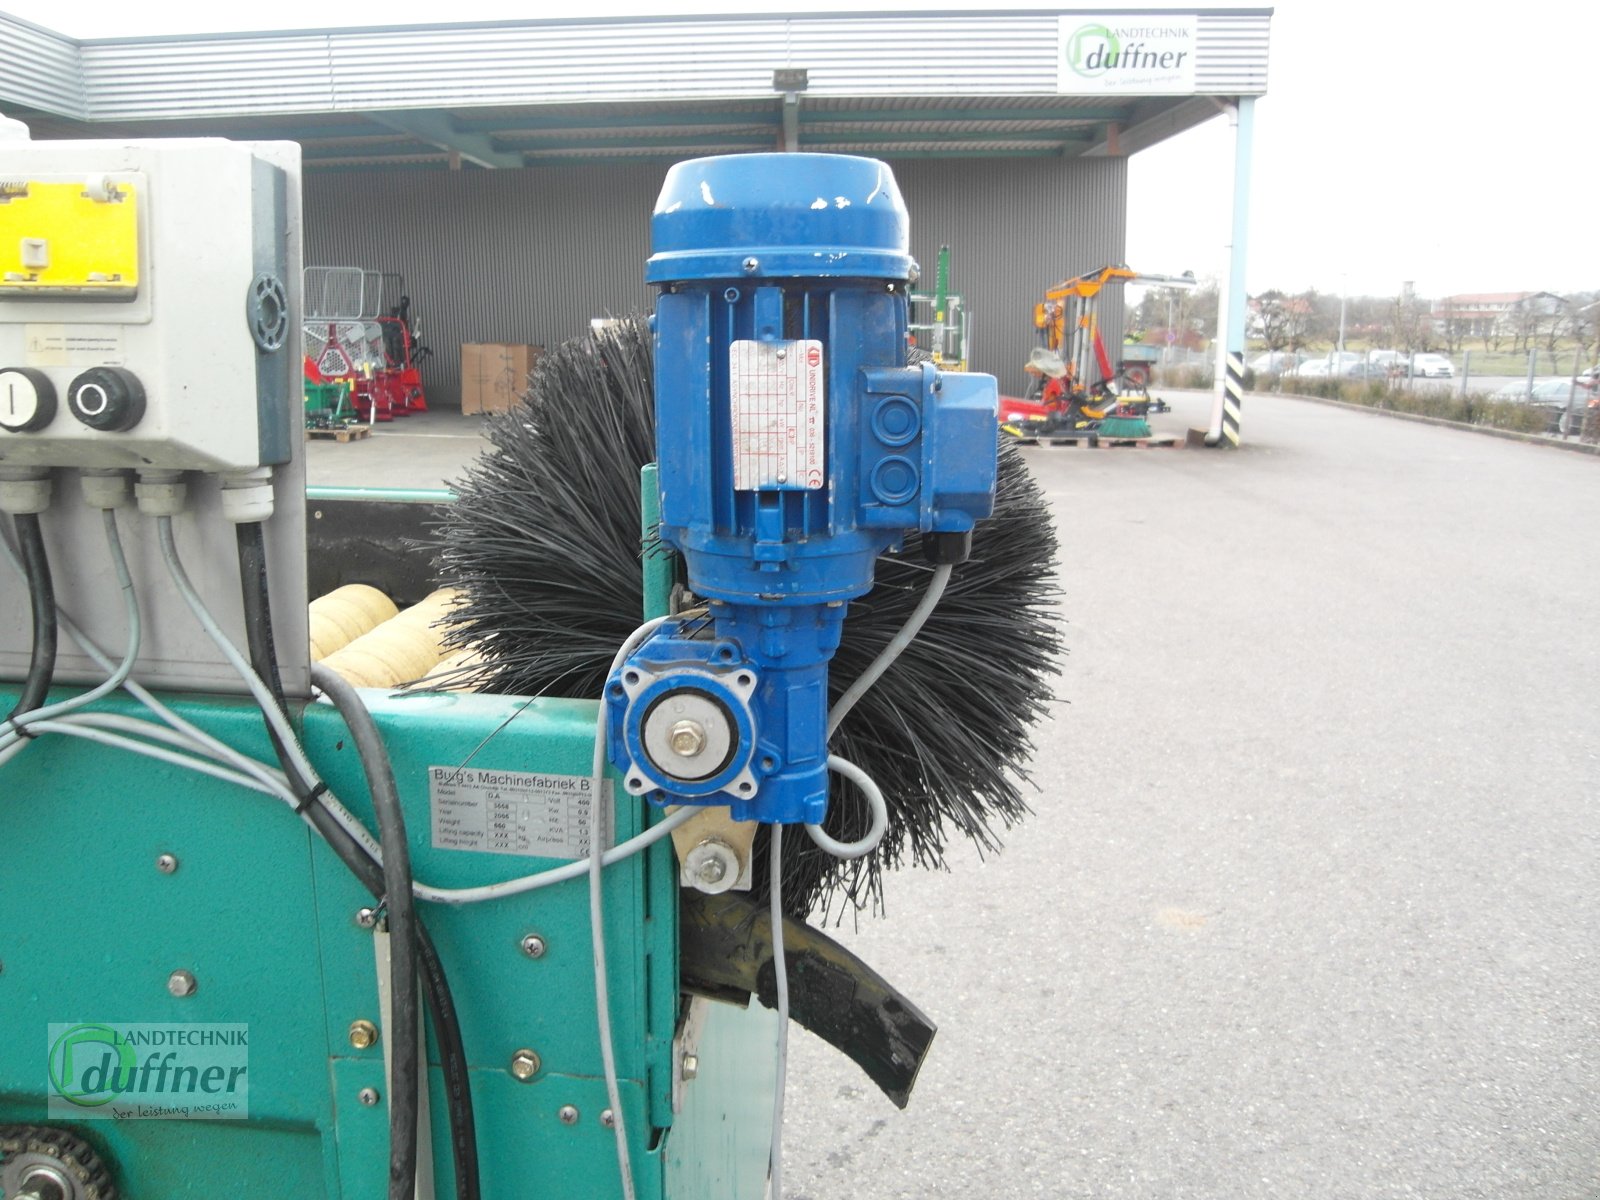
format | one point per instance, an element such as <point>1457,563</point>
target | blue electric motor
<point>794,447</point>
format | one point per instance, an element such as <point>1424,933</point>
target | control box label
<point>514,812</point>
<point>73,345</point>
<point>776,392</point>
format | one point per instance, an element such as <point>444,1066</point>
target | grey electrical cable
<point>875,801</point>
<point>258,689</point>
<point>75,727</point>
<point>780,968</point>
<point>562,874</point>
<point>602,1001</point>
<point>115,680</point>
<point>897,644</point>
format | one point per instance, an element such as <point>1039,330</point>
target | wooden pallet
<point>347,433</point>
<point>1095,440</point>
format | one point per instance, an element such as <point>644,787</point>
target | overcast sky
<point>1452,144</point>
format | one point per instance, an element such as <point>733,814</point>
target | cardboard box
<point>494,375</point>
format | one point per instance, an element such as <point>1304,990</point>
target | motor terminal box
<point>148,304</point>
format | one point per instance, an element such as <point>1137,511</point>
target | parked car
<point>1312,368</point>
<point>1275,362</point>
<point>1545,391</point>
<point>1365,370</point>
<point>1387,358</point>
<point>1432,366</point>
<point>1553,396</point>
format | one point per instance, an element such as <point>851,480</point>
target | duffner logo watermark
<point>1128,52</point>
<point>118,1071</point>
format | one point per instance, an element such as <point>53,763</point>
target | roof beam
<point>688,141</point>
<point>871,137</point>
<point>1130,139</point>
<point>577,122</point>
<point>1064,115</point>
<point>437,129</point>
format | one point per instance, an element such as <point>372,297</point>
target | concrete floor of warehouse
<point>1308,906</point>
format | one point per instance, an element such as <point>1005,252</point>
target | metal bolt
<point>534,946</point>
<point>713,870</point>
<point>687,738</point>
<point>608,1119</point>
<point>166,863</point>
<point>691,1066</point>
<point>750,264</point>
<point>712,866</point>
<point>783,353</point>
<point>182,983</point>
<point>524,1065</point>
<point>368,1096</point>
<point>568,1115</point>
<point>366,917</point>
<point>363,1033</point>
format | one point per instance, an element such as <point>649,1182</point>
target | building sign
<point>1149,53</point>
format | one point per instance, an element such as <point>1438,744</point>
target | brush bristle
<point>544,539</point>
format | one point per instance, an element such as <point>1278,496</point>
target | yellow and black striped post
<point>1232,399</point>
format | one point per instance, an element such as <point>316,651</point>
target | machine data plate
<point>513,812</point>
<point>777,398</point>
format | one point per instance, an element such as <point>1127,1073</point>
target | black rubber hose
<point>42,597</point>
<point>401,906</point>
<point>440,1002</point>
<point>436,991</point>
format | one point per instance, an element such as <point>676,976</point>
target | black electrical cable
<point>42,596</point>
<point>436,991</point>
<point>402,911</point>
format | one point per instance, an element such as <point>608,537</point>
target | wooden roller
<point>344,614</point>
<point>404,648</point>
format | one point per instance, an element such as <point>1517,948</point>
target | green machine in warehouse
<point>265,933</point>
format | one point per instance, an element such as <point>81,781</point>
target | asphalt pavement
<point>1308,906</point>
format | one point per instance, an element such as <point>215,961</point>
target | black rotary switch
<point>27,400</point>
<point>107,398</point>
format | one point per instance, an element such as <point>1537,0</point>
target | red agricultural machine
<point>1079,390</point>
<point>360,334</point>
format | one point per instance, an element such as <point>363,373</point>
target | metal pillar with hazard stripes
<point>1228,393</point>
<point>1232,399</point>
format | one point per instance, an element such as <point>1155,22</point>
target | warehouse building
<point>508,170</point>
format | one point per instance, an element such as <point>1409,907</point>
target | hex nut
<point>363,1034</point>
<point>524,1064</point>
<point>182,983</point>
<point>690,1067</point>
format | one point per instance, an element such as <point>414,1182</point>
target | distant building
<point>1479,314</point>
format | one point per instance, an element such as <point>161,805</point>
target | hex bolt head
<point>687,738</point>
<point>534,946</point>
<point>166,863</point>
<point>712,867</point>
<point>690,1067</point>
<point>363,1034</point>
<point>608,1119</point>
<point>182,983</point>
<point>713,870</point>
<point>368,1096</point>
<point>568,1115</point>
<point>524,1064</point>
<point>367,918</point>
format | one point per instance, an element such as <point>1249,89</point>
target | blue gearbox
<point>794,447</point>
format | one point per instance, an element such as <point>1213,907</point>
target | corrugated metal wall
<point>39,68</point>
<point>531,256</point>
<point>544,62</point>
